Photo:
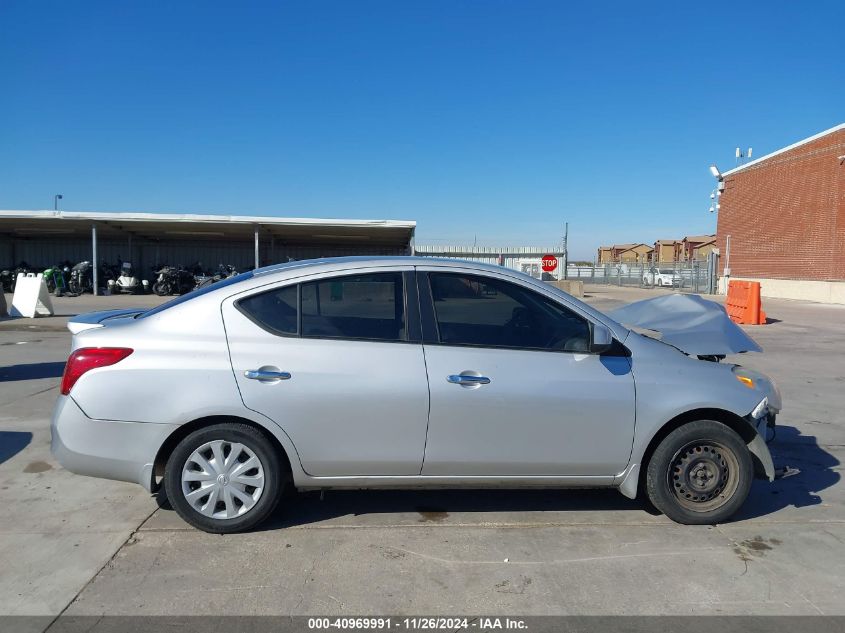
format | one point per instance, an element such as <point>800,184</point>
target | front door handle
<point>266,375</point>
<point>468,380</point>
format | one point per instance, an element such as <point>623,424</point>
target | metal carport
<point>151,239</point>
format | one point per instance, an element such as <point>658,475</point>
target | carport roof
<point>198,227</point>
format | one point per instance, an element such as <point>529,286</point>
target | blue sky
<point>486,120</point>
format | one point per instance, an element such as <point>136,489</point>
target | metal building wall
<point>43,252</point>
<point>146,255</point>
<point>284,252</point>
<point>6,252</point>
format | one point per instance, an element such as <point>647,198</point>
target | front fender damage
<point>764,467</point>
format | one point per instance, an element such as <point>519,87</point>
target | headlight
<point>761,409</point>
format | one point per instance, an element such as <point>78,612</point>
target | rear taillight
<point>87,358</point>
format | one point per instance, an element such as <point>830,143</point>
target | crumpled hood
<point>692,324</point>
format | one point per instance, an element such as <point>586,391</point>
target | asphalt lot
<point>85,546</point>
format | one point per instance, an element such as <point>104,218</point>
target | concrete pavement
<point>377,552</point>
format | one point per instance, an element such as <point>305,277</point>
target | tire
<point>700,474</point>
<point>162,288</point>
<point>202,445</point>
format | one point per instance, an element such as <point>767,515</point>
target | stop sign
<point>549,263</point>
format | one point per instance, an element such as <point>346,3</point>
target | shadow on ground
<point>12,443</point>
<point>435,506</point>
<point>304,508</point>
<point>811,470</point>
<point>31,371</point>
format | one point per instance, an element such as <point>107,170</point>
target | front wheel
<point>700,474</point>
<point>162,288</point>
<point>224,478</point>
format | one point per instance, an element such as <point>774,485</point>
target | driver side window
<point>486,312</point>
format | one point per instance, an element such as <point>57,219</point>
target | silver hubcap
<point>222,480</point>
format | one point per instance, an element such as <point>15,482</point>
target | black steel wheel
<point>700,473</point>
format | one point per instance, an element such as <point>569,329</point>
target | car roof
<point>361,261</point>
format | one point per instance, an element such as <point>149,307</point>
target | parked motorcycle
<point>223,272</point>
<point>171,280</point>
<point>127,282</point>
<point>9,277</point>
<point>57,278</point>
<point>108,273</point>
<point>81,278</point>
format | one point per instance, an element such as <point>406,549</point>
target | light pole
<point>714,206</point>
<point>56,199</point>
<point>566,250</point>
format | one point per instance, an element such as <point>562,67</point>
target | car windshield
<point>666,271</point>
<point>197,293</point>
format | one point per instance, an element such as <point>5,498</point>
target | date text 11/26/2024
<point>417,623</point>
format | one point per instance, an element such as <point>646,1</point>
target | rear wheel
<point>224,478</point>
<point>700,473</point>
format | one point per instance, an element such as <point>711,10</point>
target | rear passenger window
<point>359,307</point>
<point>274,310</point>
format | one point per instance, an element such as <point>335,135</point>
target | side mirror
<point>601,339</point>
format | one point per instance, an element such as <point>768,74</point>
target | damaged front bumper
<point>763,419</point>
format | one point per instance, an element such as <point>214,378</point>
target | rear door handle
<point>468,379</point>
<point>263,374</point>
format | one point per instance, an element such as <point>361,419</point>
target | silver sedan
<point>364,372</point>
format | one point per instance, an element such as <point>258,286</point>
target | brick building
<point>785,216</point>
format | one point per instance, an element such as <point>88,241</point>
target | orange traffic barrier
<point>743,303</point>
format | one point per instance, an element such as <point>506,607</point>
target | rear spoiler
<point>83,322</point>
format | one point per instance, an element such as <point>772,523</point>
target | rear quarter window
<point>275,310</point>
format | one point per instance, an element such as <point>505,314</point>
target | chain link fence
<point>697,276</point>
